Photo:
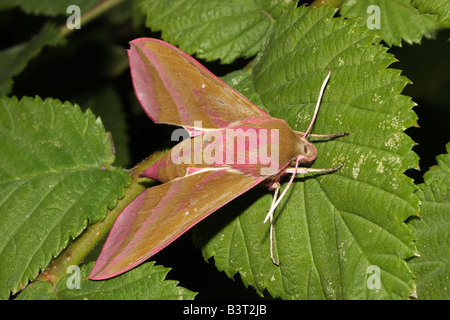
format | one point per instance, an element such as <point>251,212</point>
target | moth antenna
<point>322,89</point>
<point>272,207</point>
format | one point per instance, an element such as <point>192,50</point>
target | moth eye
<point>305,149</point>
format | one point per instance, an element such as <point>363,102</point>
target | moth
<point>232,147</point>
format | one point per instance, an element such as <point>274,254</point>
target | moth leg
<point>304,170</point>
<point>328,136</point>
<point>276,186</point>
<point>294,171</point>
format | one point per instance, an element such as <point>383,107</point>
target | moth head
<point>306,152</point>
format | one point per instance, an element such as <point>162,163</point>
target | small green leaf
<point>146,282</point>
<point>55,175</point>
<point>214,29</point>
<point>399,20</point>
<point>13,60</point>
<point>432,267</point>
<point>331,230</point>
<point>47,7</point>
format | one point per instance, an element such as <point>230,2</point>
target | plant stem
<point>98,10</point>
<point>78,250</point>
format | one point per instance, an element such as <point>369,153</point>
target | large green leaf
<point>214,29</point>
<point>441,7</point>
<point>399,20</point>
<point>432,231</point>
<point>332,230</point>
<point>146,282</point>
<point>55,175</point>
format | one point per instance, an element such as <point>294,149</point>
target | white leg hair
<point>276,200</point>
<point>272,228</point>
<point>295,171</point>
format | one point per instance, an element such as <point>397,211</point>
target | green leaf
<point>441,7</point>
<point>331,230</point>
<point>55,175</point>
<point>106,104</point>
<point>146,282</point>
<point>13,60</point>
<point>243,82</point>
<point>399,20</point>
<point>47,7</point>
<point>39,290</point>
<point>214,29</point>
<point>432,231</point>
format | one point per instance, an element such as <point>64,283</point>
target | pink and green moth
<point>226,154</point>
